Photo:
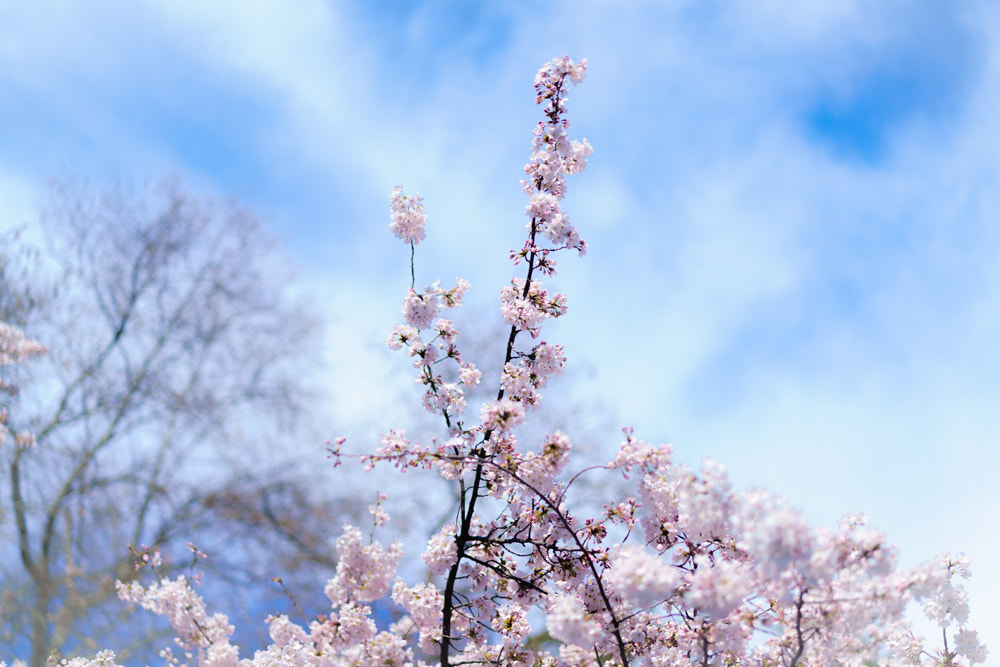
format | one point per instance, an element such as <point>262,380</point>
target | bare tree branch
<point>177,361</point>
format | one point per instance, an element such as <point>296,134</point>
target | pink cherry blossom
<point>408,216</point>
<point>569,622</point>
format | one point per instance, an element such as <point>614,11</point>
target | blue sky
<point>791,208</point>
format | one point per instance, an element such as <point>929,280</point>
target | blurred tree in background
<point>168,410</point>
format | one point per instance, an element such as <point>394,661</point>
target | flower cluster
<point>419,313</point>
<point>408,216</point>
<point>524,305</point>
<point>554,156</point>
<point>364,572</point>
<point>183,607</point>
<point>517,579</point>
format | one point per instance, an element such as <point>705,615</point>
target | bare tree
<point>162,413</point>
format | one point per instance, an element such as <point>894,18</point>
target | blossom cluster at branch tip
<point>554,156</point>
<point>408,216</point>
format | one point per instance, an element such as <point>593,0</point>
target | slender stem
<point>413,266</point>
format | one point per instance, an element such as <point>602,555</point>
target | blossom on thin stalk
<point>408,216</point>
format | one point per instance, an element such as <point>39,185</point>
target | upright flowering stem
<point>408,219</point>
<point>553,158</point>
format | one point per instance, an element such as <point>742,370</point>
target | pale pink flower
<point>547,360</point>
<point>441,552</point>
<point>364,571</point>
<point>423,603</point>
<point>446,330</point>
<point>408,216</point>
<point>183,608</point>
<point>635,452</point>
<point>556,450</point>
<point>284,632</point>
<point>501,416</point>
<point>379,515</point>
<point>419,310</point>
<point>778,538</point>
<point>469,375</point>
<point>642,578</point>
<point>393,445</point>
<point>452,297</point>
<point>575,160</point>
<point>717,588</point>
<point>520,312</point>
<point>967,644</point>
<point>425,353</point>
<point>102,659</point>
<point>511,621</point>
<point>537,473</point>
<point>569,622</point>
<point>519,383</point>
<point>447,397</point>
<point>402,334</point>
<point>543,206</point>
<point>353,624</point>
<point>389,650</point>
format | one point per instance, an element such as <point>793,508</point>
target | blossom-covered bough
<point>688,571</point>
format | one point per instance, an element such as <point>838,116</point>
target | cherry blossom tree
<point>684,571</point>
